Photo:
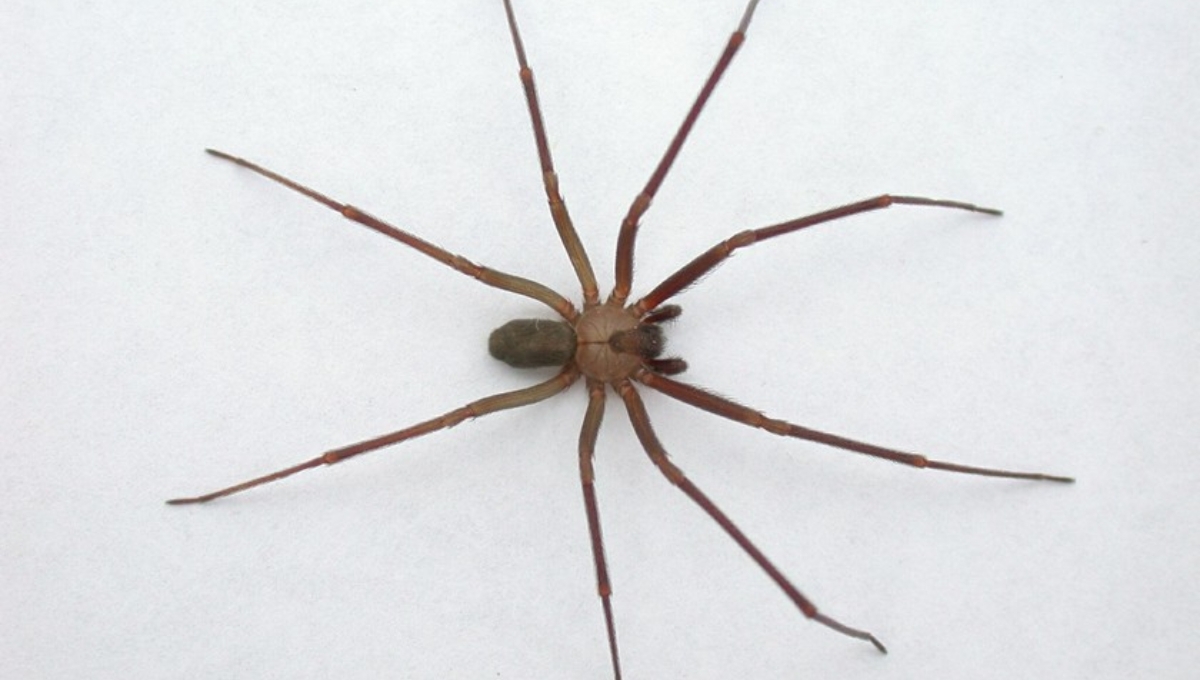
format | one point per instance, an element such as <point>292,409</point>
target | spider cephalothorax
<point>614,345</point>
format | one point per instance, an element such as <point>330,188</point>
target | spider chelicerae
<point>618,344</point>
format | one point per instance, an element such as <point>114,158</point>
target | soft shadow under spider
<point>615,344</point>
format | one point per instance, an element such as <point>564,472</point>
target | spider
<point>617,344</point>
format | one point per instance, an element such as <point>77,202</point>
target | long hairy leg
<point>558,208</point>
<point>709,259</point>
<point>629,226</point>
<point>491,277</point>
<point>491,404</point>
<point>725,408</point>
<point>645,434</point>
<point>587,476</point>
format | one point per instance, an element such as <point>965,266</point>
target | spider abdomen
<point>530,343</point>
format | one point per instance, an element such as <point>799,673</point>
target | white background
<point>172,324</point>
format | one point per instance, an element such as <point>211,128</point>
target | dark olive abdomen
<point>528,343</point>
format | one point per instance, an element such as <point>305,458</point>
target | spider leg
<point>587,475</point>
<point>629,225</point>
<point>709,259</point>
<point>645,434</point>
<point>558,208</point>
<point>491,277</point>
<point>725,408</point>
<point>490,404</point>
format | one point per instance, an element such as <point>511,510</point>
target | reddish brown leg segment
<point>587,475</point>
<point>725,408</point>
<point>629,226</point>
<point>558,208</point>
<point>714,256</point>
<point>491,277</point>
<point>645,434</point>
<point>496,402</point>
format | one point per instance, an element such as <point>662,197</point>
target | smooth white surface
<point>172,324</point>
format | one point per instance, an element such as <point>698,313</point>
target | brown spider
<point>617,344</point>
